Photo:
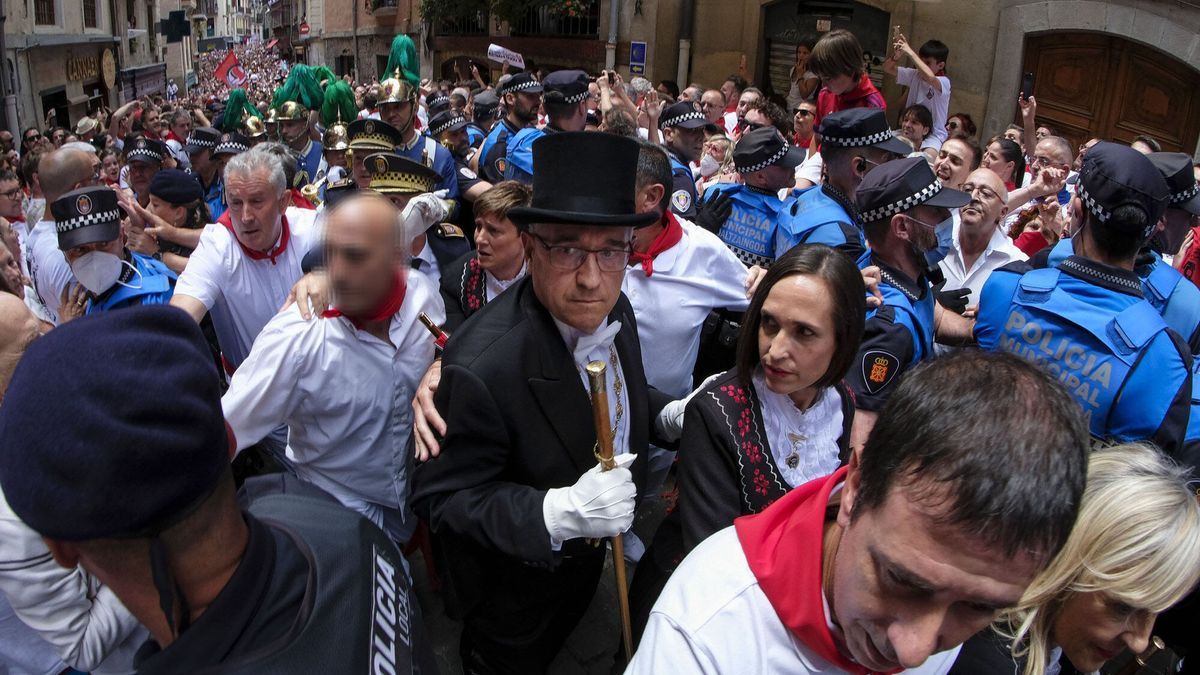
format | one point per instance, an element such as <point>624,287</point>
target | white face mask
<point>97,271</point>
<point>708,165</point>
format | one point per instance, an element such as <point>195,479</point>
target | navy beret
<point>176,187</point>
<point>112,426</point>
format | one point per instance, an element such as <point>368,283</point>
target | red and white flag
<point>230,71</point>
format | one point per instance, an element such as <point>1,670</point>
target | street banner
<point>502,55</point>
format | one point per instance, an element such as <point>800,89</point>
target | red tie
<point>284,237</point>
<point>385,310</point>
<point>670,235</point>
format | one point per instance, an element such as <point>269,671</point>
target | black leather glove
<point>712,213</point>
<point>953,300</point>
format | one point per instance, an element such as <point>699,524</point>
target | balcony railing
<point>542,22</point>
<point>475,24</point>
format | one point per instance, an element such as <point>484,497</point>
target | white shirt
<point>712,617</point>
<point>178,153</point>
<point>999,252</point>
<point>493,286</point>
<point>243,294</point>
<point>810,435</point>
<point>48,268</point>
<point>345,395</point>
<point>690,279</point>
<point>920,91</point>
<point>602,350</point>
<point>811,169</point>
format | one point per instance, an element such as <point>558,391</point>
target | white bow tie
<point>601,340</point>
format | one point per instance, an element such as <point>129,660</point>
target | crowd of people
<point>917,399</point>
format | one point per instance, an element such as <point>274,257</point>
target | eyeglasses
<point>571,258</point>
<point>804,113</point>
<point>986,192</point>
<point>751,126</point>
<point>952,125</point>
<point>11,194</point>
<point>35,137</point>
<point>1043,161</point>
<point>932,227</point>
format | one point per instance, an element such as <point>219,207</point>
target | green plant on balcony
<point>437,10</point>
<point>569,8</point>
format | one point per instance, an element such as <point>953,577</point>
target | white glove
<point>600,504</point>
<point>669,422</point>
<point>422,212</point>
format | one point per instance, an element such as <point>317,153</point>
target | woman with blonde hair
<point>1133,553</point>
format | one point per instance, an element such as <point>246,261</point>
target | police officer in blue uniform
<point>522,96</point>
<point>398,108</point>
<point>682,126</point>
<point>201,148</point>
<point>88,222</point>
<point>436,102</point>
<point>450,129</point>
<point>1086,319</point>
<point>483,116</point>
<point>135,486</point>
<point>293,131</point>
<point>231,144</point>
<point>900,203</point>
<point>852,142</point>
<point>564,98</point>
<point>767,164</point>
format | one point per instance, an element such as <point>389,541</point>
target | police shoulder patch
<point>448,231</point>
<point>879,368</point>
<point>681,201</point>
<point>467,173</point>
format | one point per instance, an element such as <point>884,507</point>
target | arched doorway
<point>458,69</point>
<point>1093,84</point>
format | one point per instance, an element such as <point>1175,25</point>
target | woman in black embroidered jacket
<point>779,419</point>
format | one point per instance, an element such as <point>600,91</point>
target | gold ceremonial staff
<point>604,453</point>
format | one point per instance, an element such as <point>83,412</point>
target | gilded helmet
<point>254,127</point>
<point>290,110</point>
<point>396,90</point>
<point>336,137</point>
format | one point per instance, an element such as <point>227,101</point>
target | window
<point>89,14</point>
<point>44,12</point>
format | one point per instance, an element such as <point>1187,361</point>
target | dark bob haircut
<point>1012,479</point>
<point>844,284</point>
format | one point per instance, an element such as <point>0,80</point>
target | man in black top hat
<point>144,157</point>
<point>201,146</point>
<point>516,492</point>
<point>135,487</point>
<point>682,126</point>
<point>852,141</point>
<point>900,204</point>
<point>564,98</point>
<point>522,96</point>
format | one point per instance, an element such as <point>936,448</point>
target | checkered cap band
<point>1096,208</point>
<point>783,149</point>
<point>457,119</point>
<point>514,88</point>
<point>201,142</point>
<point>1186,195</point>
<point>231,146</point>
<point>859,141</point>
<point>577,98</point>
<point>146,153</point>
<point>679,119</point>
<point>924,195</point>
<point>94,218</point>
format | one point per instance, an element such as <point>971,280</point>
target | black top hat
<point>447,120</point>
<point>373,134</point>
<point>566,86</point>
<point>684,114</point>
<point>520,82</point>
<point>202,138</point>
<point>232,143</point>
<point>604,194</point>
<point>88,215</point>
<point>1176,168</point>
<point>144,149</point>
<point>861,128</point>
<point>393,174</point>
<point>763,147</point>
<point>902,184</point>
<point>1116,175</point>
<point>484,104</point>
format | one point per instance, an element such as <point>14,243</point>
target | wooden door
<point>1091,84</point>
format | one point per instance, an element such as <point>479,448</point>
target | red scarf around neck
<point>172,136</point>
<point>284,237</point>
<point>784,547</point>
<point>385,310</point>
<point>670,235</point>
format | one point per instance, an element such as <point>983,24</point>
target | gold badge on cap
<point>380,165</point>
<point>141,143</point>
<point>83,205</point>
<point>369,127</point>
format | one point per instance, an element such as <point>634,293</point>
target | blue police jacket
<point>152,285</point>
<point>1178,303</point>
<point>820,216</point>
<point>475,135</point>
<point>1190,455</point>
<point>897,335</point>
<point>683,188</point>
<point>518,157</point>
<point>750,229</point>
<point>1088,324</point>
<point>429,152</point>
<point>493,154</point>
<point>214,197</point>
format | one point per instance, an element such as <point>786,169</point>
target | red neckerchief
<point>259,255</point>
<point>784,547</point>
<point>172,136</point>
<point>670,235</point>
<point>300,201</point>
<point>385,310</point>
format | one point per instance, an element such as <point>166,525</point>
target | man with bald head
<point>59,172</point>
<point>979,245</point>
<point>344,385</point>
<point>1049,168</point>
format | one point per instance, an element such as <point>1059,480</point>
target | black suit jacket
<point>519,422</point>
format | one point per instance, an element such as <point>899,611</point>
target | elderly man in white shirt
<point>343,385</point>
<point>979,246</point>
<point>242,272</point>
